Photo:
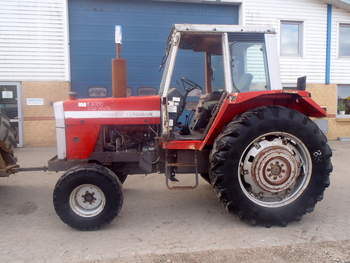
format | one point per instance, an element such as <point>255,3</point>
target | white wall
<point>340,67</point>
<point>313,13</point>
<point>33,40</point>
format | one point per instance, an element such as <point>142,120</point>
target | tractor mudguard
<point>237,103</point>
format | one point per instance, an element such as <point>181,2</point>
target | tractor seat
<point>204,110</point>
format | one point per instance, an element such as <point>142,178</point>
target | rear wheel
<point>7,143</point>
<point>88,197</point>
<point>270,165</point>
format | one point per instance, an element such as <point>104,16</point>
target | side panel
<point>84,119</point>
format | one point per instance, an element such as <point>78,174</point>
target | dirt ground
<point>157,225</point>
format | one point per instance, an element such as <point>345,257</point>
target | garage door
<point>146,25</point>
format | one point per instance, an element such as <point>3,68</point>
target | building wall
<point>33,42</point>
<point>340,67</point>
<point>34,52</point>
<point>313,13</point>
<point>39,122</point>
<point>326,95</point>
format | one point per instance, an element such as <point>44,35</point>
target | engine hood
<point>130,110</point>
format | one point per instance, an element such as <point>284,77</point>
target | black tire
<point>230,145</point>
<point>92,174</point>
<point>7,142</point>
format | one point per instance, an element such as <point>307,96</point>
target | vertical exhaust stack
<point>119,79</point>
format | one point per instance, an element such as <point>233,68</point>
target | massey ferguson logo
<point>82,104</point>
<point>94,105</point>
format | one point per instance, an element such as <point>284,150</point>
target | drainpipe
<point>329,43</point>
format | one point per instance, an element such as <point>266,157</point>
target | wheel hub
<point>89,197</point>
<point>271,167</point>
<point>87,200</point>
<point>275,168</point>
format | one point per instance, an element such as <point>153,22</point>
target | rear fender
<point>237,103</point>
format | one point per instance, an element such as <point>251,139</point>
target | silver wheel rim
<point>275,169</point>
<point>87,200</point>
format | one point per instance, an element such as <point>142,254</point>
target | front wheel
<point>88,197</point>
<point>270,165</point>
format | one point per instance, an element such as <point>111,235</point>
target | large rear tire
<point>7,143</point>
<point>270,165</point>
<point>88,197</point>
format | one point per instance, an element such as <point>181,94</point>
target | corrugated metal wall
<point>314,15</point>
<point>340,66</point>
<point>146,25</point>
<point>33,44</point>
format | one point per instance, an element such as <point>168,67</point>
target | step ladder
<point>171,166</point>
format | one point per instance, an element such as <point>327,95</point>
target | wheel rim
<point>275,169</point>
<point>87,200</point>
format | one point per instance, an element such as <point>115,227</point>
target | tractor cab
<point>205,63</point>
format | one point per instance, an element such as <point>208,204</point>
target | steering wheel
<point>190,85</point>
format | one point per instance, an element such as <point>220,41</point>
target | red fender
<point>238,103</point>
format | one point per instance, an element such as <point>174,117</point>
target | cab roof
<point>209,28</point>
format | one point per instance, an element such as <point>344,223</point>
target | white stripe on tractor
<point>110,114</point>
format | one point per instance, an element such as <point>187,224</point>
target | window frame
<point>300,36</point>
<point>346,116</point>
<point>346,24</point>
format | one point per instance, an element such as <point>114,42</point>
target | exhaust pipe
<point>119,77</point>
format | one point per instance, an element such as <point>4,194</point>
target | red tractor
<point>255,143</point>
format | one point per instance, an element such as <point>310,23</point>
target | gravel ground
<point>157,225</point>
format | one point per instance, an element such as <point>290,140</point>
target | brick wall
<point>326,95</point>
<point>39,122</point>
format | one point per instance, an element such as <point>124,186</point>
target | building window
<point>291,38</point>
<point>344,40</point>
<point>343,100</point>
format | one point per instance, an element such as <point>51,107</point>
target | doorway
<point>10,105</point>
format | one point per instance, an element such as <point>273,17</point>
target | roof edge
<point>221,28</point>
<point>343,4</point>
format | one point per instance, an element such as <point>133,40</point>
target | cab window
<point>249,66</point>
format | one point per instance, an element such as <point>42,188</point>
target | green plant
<point>341,107</point>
